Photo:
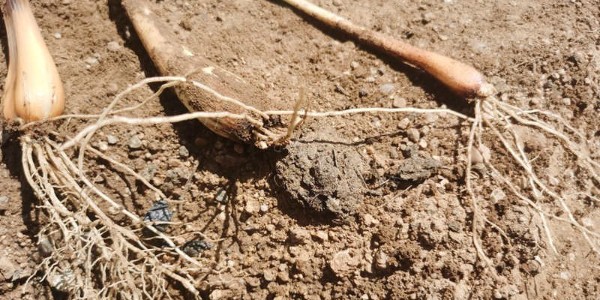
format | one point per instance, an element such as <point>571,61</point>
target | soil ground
<point>394,235</point>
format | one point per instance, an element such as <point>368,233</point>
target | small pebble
<point>497,195</point>
<point>135,142</point>
<point>354,65</point>
<point>3,201</point>
<point>113,46</point>
<point>270,275</point>
<point>587,222</point>
<point>195,247</point>
<point>413,135</point>
<point>91,61</point>
<point>253,282</point>
<point>403,124</point>
<point>218,294</point>
<point>399,102</point>
<point>298,235</point>
<point>387,88</point>
<point>45,247</point>
<point>431,118</point>
<point>363,93</point>
<point>321,236</point>
<point>183,151</point>
<point>102,146</point>
<point>369,220</point>
<point>343,263</point>
<point>222,196</point>
<point>264,208</point>
<point>159,212</point>
<point>380,260</point>
<point>252,206</point>
<point>111,139</point>
<point>57,35</point>
<point>476,157</point>
<point>427,17</point>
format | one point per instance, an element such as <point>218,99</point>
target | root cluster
<point>91,255</point>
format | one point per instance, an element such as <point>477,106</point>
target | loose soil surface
<point>356,207</point>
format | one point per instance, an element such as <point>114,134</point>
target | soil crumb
<point>325,176</point>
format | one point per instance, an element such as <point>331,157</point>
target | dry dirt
<point>397,225</point>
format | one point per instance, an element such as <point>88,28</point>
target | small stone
<point>186,24</point>
<point>380,260</point>
<point>497,195</point>
<point>149,172</point>
<point>183,151</point>
<point>369,220</point>
<point>476,157</point>
<point>337,3</point>
<point>264,208</point>
<point>344,262</point>
<point>253,282</point>
<point>298,235</point>
<point>454,226</point>
<point>431,118</point>
<point>91,61</point>
<point>113,46</point>
<point>57,35</point>
<point>4,202</point>
<point>45,247</point>
<point>413,135</point>
<point>252,206</point>
<point>579,58</point>
<point>218,294</point>
<point>7,268</point>
<point>102,146</point>
<point>403,124</point>
<point>486,153</point>
<point>111,139</point>
<point>387,88</point>
<point>354,64</point>
<point>135,143</point>
<point>222,196</point>
<point>160,213</point>
<point>399,102</point>
<point>587,222</point>
<point>194,247</point>
<point>362,93</point>
<point>427,17</point>
<point>283,276</point>
<point>320,236</point>
<point>270,275</point>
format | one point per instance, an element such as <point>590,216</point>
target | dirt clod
<point>323,177</point>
